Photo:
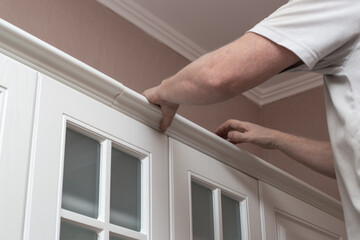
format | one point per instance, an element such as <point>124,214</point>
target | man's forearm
<point>226,72</point>
<point>220,75</point>
<point>314,154</point>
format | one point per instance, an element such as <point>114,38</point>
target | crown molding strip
<point>47,59</point>
<point>262,96</point>
<point>155,27</point>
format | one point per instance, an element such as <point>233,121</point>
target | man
<point>305,35</point>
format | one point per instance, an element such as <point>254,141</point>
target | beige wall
<point>95,35</point>
<point>302,115</point>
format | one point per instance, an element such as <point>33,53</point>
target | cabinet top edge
<point>39,55</point>
<point>55,63</point>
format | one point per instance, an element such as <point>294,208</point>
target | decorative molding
<point>264,95</point>
<point>160,30</point>
<point>39,55</point>
<point>155,27</point>
<point>49,60</point>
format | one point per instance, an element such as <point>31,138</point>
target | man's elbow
<point>220,84</point>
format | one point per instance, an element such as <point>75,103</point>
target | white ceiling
<point>210,23</point>
<point>194,27</point>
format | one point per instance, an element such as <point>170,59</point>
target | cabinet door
<point>17,101</point>
<point>209,199</point>
<point>288,218</point>
<point>95,172</point>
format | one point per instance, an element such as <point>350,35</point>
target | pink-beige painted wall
<point>302,115</point>
<point>93,34</point>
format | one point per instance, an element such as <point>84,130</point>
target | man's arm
<point>315,154</point>
<point>222,74</point>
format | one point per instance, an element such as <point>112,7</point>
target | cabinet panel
<point>202,192</point>
<point>17,103</point>
<point>91,155</point>
<point>288,218</point>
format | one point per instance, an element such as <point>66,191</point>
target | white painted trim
<point>155,27</point>
<point>49,60</point>
<point>264,95</point>
<point>45,58</point>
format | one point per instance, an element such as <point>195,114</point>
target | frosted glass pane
<point>125,196</point>
<point>230,218</point>
<point>81,174</point>
<point>72,232</point>
<point>116,238</point>
<point>202,212</point>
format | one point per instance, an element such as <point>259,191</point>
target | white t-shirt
<point>325,35</point>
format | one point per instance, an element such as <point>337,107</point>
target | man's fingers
<point>169,111</point>
<point>223,129</point>
<point>230,125</point>
<point>236,137</point>
<point>165,123</point>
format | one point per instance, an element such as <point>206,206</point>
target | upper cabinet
<point>209,199</point>
<point>288,218</point>
<point>95,173</point>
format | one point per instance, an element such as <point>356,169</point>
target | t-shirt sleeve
<point>311,29</point>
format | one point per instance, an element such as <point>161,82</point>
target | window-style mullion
<point>244,218</point>
<point>218,230</point>
<point>90,222</point>
<point>105,178</point>
<point>145,195</point>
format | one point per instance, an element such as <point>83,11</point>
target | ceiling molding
<point>264,95</point>
<point>166,34</point>
<point>155,27</point>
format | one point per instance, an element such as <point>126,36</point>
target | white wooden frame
<point>188,164</point>
<point>17,102</point>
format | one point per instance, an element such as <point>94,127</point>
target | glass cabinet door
<point>95,173</point>
<point>210,199</point>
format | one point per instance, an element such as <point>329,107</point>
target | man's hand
<point>244,132</point>
<point>317,155</point>
<point>168,109</point>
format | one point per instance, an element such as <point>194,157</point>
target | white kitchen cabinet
<point>203,189</point>
<point>17,100</point>
<point>94,171</point>
<point>80,159</point>
<point>288,218</point>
